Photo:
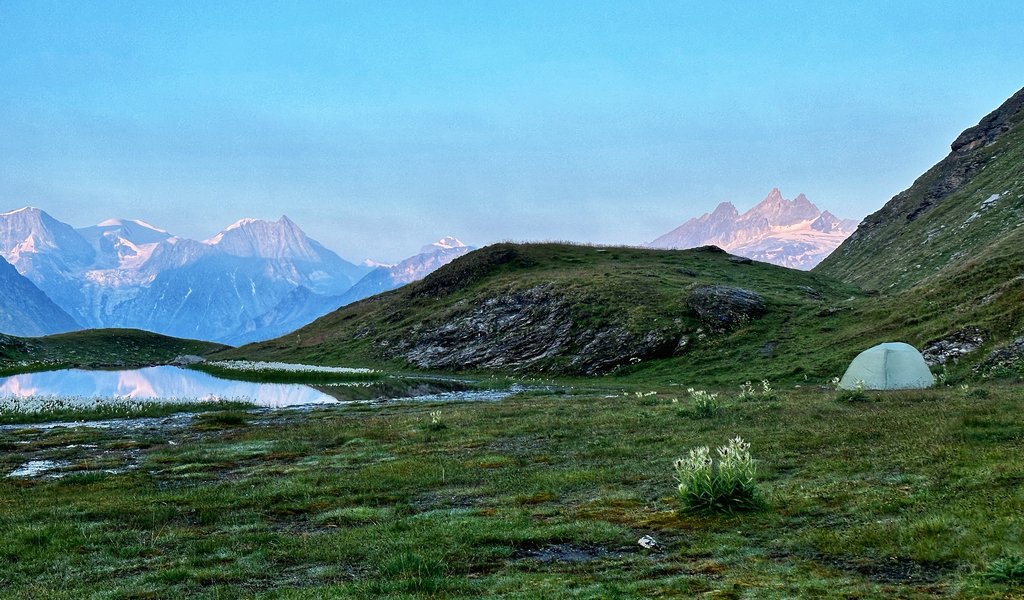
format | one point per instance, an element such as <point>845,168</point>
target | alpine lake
<point>82,388</point>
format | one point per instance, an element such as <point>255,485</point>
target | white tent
<point>888,366</point>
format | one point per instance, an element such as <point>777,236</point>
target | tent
<point>888,366</point>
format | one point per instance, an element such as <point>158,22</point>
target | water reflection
<point>156,383</point>
<point>78,386</point>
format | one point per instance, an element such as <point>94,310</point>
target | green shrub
<point>1008,570</point>
<point>722,485</point>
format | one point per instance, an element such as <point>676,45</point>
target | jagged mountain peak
<point>723,209</point>
<point>778,211</point>
<point>791,233</point>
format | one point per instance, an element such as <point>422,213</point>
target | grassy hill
<point>95,348</point>
<point>580,310</point>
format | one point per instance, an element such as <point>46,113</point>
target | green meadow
<point>542,495</point>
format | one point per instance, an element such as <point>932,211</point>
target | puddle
<point>36,468</point>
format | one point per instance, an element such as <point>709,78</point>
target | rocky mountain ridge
<point>790,233</point>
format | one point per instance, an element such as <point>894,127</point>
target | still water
<point>185,385</point>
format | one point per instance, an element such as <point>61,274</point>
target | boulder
<point>723,308</point>
<point>954,345</point>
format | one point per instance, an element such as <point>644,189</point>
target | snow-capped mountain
<point>303,305</point>
<point>25,310</point>
<point>792,233</point>
<point>123,273</point>
<point>430,258</point>
<point>49,253</point>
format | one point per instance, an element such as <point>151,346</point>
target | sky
<point>381,126</point>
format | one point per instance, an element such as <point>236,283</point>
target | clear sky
<point>380,126</point>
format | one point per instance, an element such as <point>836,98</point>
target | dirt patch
<point>895,570</point>
<point>569,553</point>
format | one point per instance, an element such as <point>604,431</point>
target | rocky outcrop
<point>527,330</point>
<point>1010,356</point>
<point>723,308</point>
<point>953,346</point>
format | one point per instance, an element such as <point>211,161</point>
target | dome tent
<point>888,366</point>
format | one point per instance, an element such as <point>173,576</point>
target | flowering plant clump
<point>716,485</point>
<point>856,394</point>
<point>436,422</point>
<point>250,365</point>
<point>705,404</point>
<point>765,392</point>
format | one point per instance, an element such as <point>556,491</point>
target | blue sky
<point>380,126</point>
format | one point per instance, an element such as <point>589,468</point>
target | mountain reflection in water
<point>167,383</point>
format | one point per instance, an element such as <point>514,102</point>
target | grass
<point>50,409</point>
<point>916,495</point>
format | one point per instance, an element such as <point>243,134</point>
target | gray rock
<point>532,329</point>
<point>1010,355</point>
<point>186,360</point>
<point>723,308</point>
<point>954,345</point>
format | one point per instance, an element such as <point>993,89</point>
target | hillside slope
<point>947,254</point>
<point>96,348</point>
<point>963,205</point>
<point>569,310</point>
<point>25,309</point>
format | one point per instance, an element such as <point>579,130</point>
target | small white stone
<point>647,542</point>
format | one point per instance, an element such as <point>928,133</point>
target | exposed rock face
<point>723,308</point>
<point>791,233</point>
<point>1009,356</point>
<point>532,329</point>
<point>953,346</point>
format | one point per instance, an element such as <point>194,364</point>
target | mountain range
<point>253,280</point>
<point>790,233</point>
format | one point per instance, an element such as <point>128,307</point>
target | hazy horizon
<point>381,127</point>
